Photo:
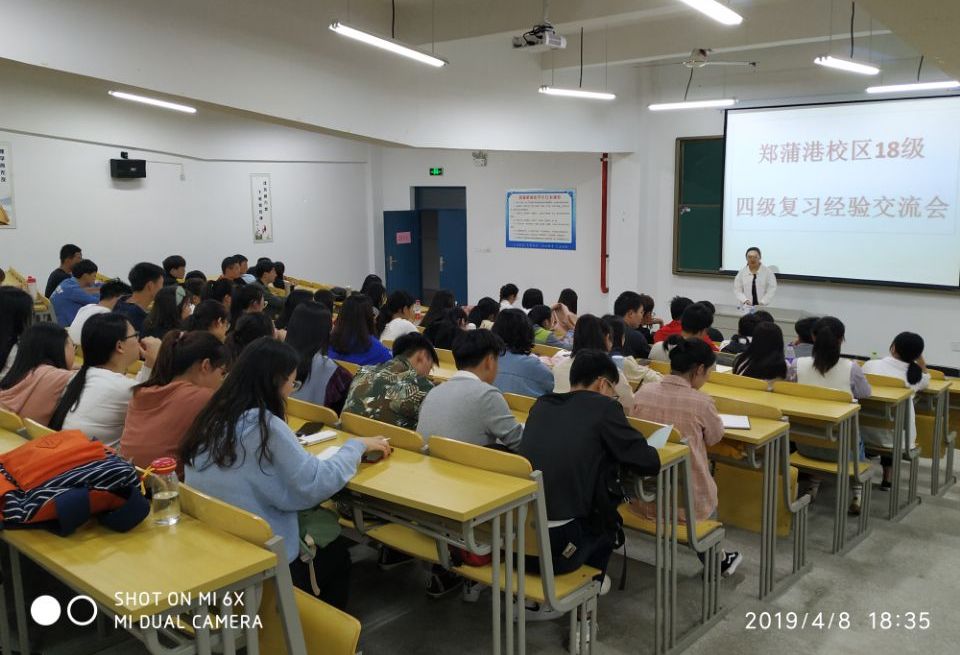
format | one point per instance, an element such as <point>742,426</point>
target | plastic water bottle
<point>165,504</point>
<point>32,286</point>
<point>791,353</point>
<point>417,310</point>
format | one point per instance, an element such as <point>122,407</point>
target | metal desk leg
<point>521,580</point>
<point>20,603</point>
<point>229,638</point>
<point>250,609</point>
<point>203,633</point>
<point>843,486</point>
<point>508,586</point>
<point>496,586</point>
<point>666,549</point>
<point>899,434</point>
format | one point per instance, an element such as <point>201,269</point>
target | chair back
<point>362,426</point>
<point>739,381</point>
<point>744,408</point>
<point>661,367</point>
<point>885,381</point>
<point>311,413</point>
<point>544,350</point>
<point>446,357</point>
<point>349,366</point>
<point>519,403</point>
<point>35,430</point>
<point>10,421</point>
<point>812,391</point>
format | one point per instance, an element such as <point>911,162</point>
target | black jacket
<point>575,439</point>
<point>635,344</point>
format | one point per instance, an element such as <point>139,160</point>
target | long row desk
<point>942,396</point>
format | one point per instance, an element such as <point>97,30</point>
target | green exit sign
<point>436,171</point>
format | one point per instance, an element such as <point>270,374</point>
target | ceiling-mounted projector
<point>541,37</point>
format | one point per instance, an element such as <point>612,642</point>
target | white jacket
<point>766,285</point>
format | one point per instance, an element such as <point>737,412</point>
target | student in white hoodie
<point>396,316</point>
<point>905,362</point>
<point>96,399</point>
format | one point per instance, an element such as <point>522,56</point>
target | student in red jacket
<point>677,307</point>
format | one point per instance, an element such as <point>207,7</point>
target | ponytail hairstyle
<point>908,347</point>
<point>590,333</point>
<point>396,303</point>
<point>442,301</point>
<point>687,354</point>
<point>243,298</point>
<point>354,327</point>
<point>167,309</point>
<point>248,329</point>
<point>99,338</point>
<point>181,350</point>
<point>218,290</point>
<point>41,343</point>
<point>308,332</point>
<point>294,298</point>
<point>617,330</point>
<point>205,315</point>
<point>828,335</point>
<point>16,314</point>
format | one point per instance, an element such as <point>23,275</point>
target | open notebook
<point>659,438</point>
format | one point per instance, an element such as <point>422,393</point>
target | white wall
<point>63,191</point>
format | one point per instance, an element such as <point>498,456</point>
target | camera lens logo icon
<point>46,610</point>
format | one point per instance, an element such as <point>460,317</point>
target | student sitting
<point>443,331</point>
<point>677,401</point>
<point>396,316</point>
<point>694,323</point>
<point>531,298</point>
<point>39,374</point>
<point>209,316</point>
<point>905,362</point>
<point>825,368</point>
<point>508,296</point>
<point>578,439</point>
<point>649,318</point>
<point>442,301</point>
<point>741,340</point>
<point>568,298</point>
<point>240,450</point>
<point>76,292</point>
<point>295,297</point>
<point>110,294</point>
<point>325,298</point>
<point>247,299</point>
<point>97,397</point>
<point>16,314</point>
<point>146,280</point>
<point>714,334</point>
<point>174,270</point>
<point>467,407</point>
<point>566,321</point>
<point>190,366</point>
<point>230,269</point>
<point>392,392</point>
<point>69,256</point>
<point>591,334</point>
<point>764,357</point>
<point>248,329</point>
<point>377,293</point>
<point>281,282</point>
<point>518,371</point>
<point>244,277</point>
<point>803,346</point>
<point>678,305</point>
<point>220,291</point>
<point>171,307</point>
<point>322,381</point>
<point>544,328</point>
<point>352,338</point>
<point>198,275</point>
<point>264,273</point>
<point>484,313</point>
<point>629,307</point>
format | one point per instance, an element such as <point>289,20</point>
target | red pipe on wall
<point>604,162</point>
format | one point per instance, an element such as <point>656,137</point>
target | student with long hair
<point>248,329</point>
<point>826,368</point>
<point>377,294</point>
<point>322,381</point>
<point>905,362</point>
<point>352,338</point>
<point>484,313</point>
<point>296,297</point>
<point>803,346</point>
<point>326,298</point>
<point>40,372</point>
<point>508,296</point>
<point>568,298</point>
<point>442,301</point>
<point>209,316</point>
<point>396,316</point>
<point>591,333</point>
<point>531,298</point>
<point>97,397</point>
<point>241,450</point>
<point>764,357</point>
<point>518,371</point>
<point>444,331</point>
<point>220,290</point>
<point>677,400</point>
<point>247,299</point>
<point>16,313</point>
<point>190,367</point>
<point>171,307</point>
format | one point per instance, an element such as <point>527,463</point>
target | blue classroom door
<point>401,249</point>
<point>452,229</point>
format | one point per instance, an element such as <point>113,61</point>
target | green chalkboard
<point>698,211</point>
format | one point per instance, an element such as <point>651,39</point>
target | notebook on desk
<point>735,422</point>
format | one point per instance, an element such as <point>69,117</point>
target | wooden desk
<point>834,421</point>
<point>890,404</point>
<point>442,372</point>
<point>940,396</point>
<point>10,440</point>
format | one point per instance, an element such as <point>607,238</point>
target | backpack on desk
<point>64,478</point>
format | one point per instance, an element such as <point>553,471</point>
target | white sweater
<point>102,409</point>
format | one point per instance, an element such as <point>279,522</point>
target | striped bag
<point>62,479</point>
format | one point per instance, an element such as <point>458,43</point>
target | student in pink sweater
<point>40,372</point>
<point>190,367</point>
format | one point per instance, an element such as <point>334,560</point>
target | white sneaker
<point>729,563</point>
<point>472,591</point>
<point>605,585</point>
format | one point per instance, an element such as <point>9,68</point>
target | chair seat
<point>406,540</point>
<point>564,585</point>
<point>810,464</point>
<point>649,526</point>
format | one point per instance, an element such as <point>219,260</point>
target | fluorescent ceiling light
<point>846,65</point>
<point>693,104</point>
<point>716,11</point>
<point>385,43</point>
<point>576,93</point>
<point>917,86</point>
<point>153,101</point>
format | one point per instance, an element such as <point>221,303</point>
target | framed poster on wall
<point>262,199</point>
<point>7,213</point>
<point>539,218</point>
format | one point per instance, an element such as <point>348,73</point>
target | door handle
<point>441,263</point>
<point>390,261</point>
